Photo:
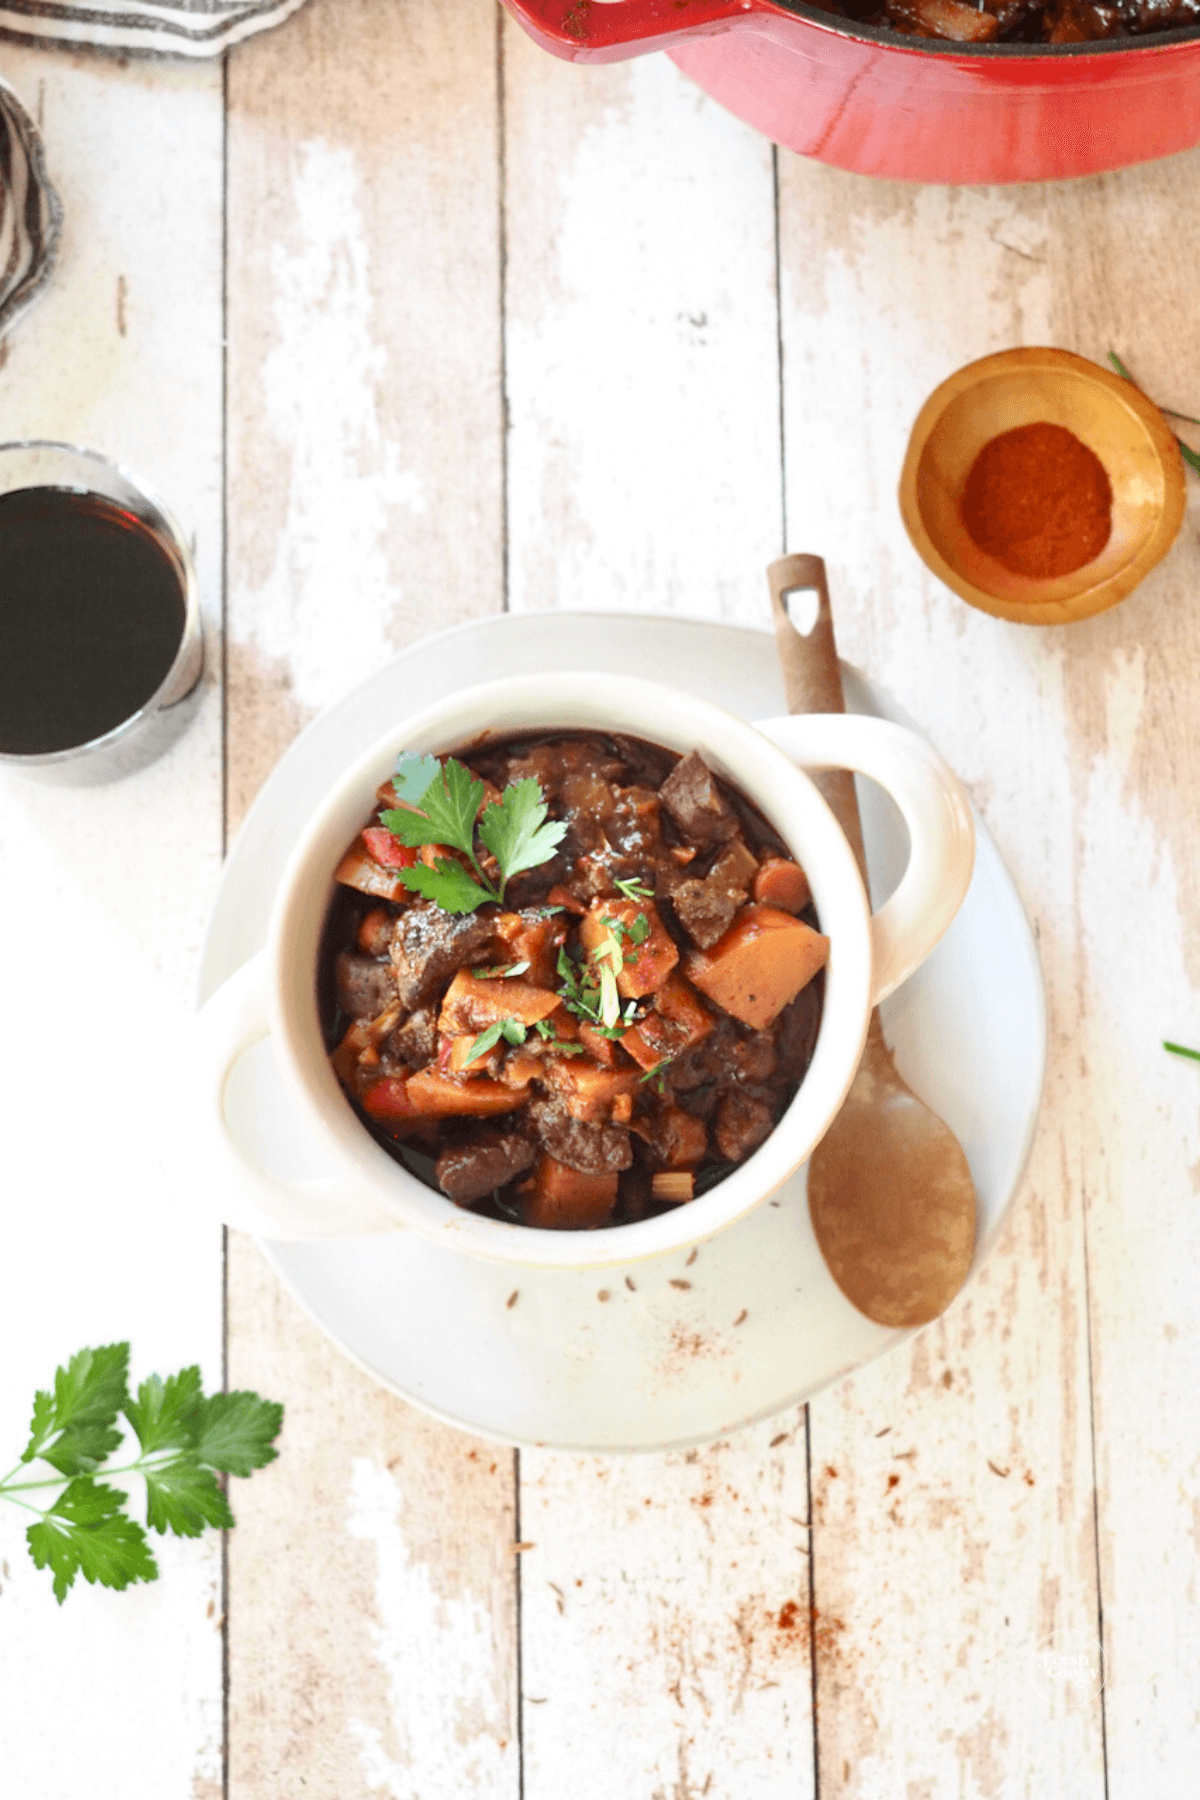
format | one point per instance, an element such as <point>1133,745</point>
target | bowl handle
<point>935,809</point>
<point>233,1173</point>
<point>613,30</point>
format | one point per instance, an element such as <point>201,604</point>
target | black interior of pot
<point>853,26</point>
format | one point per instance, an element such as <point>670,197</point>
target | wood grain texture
<point>666,1621</point>
<point>951,1546</point>
<point>103,897</point>
<point>1124,257</point>
<point>365,433</point>
<point>640,345</point>
<point>372,1578</point>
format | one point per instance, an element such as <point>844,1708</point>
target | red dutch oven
<point>915,109</point>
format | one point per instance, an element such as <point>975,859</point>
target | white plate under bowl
<point>681,1348</point>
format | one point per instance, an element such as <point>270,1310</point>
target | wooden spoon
<point>889,1190</point>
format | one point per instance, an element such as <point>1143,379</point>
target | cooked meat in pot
<point>571,979</point>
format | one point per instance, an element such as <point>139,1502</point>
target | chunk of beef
<point>476,1167</point>
<point>429,946</point>
<point>742,1123</point>
<point>796,1031</point>
<point>414,1042</point>
<point>591,1149</point>
<point>365,988</point>
<point>693,799</point>
<point>705,909</point>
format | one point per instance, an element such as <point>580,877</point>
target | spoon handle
<point>812,679</point>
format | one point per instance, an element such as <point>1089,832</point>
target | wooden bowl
<point>1112,417</point>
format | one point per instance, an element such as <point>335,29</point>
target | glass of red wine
<point>101,643</point>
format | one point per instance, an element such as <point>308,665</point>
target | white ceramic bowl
<point>275,994</point>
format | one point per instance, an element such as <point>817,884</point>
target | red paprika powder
<point>1039,501</point>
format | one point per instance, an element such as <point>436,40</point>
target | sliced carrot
<point>782,884</point>
<point>678,1020</point>
<point>471,1005</point>
<point>563,1199</point>
<point>429,1094</point>
<point>760,964</point>
<point>358,869</point>
<point>587,1090</point>
<point>561,896</point>
<point>535,941</point>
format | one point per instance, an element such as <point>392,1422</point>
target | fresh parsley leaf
<point>166,1414</point>
<point>517,968</point>
<point>448,809</point>
<point>73,1430</point>
<point>182,1496</point>
<point>516,829</point>
<point>448,884</point>
<point>238,1431</point>
<point>86,1532</point>
<point>415,775</point>
<point>512,1031</point>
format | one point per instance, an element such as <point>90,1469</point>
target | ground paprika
<point>1039,501</point>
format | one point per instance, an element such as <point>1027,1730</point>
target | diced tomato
<point>388,850</point>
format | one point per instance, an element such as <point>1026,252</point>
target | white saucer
<point>672,1351</point>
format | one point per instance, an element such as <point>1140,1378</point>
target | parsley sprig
<point>442,802</point>
<point>186,1439</point>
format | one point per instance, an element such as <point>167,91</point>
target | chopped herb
<point>513,1031</point>
<point>584,992</point>
<point>515,830</point>
<point>546,1031</point>
<point>1181,1050</point>
<point>1190,456</point>
<point>657,1076</point>
<point>517,968</point>
<point>633,890</point>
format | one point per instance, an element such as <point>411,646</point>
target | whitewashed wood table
<point>414,325</point>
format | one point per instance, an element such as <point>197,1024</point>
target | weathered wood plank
<point>665,1625</point>
<point>1125,253</point>
<point>952,1483</point>
<point>103,896</point>
<point>666,1622</point>
<point>640,345</point>
<point>372,1585</point>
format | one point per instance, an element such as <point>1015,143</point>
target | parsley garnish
<point>517,968</point>
<point>633,890</point>
<point>590,991</point>
<point>657,1076</point>
<point>446,798</point>
<point>186,1439</point>
<point>513,1031</point>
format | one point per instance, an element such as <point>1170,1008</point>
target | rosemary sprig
<point>1190,456</point>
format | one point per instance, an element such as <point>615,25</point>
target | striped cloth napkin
<point>30,211</point>
<point>188,28</point>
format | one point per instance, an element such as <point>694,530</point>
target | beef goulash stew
<point>572,982</point>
